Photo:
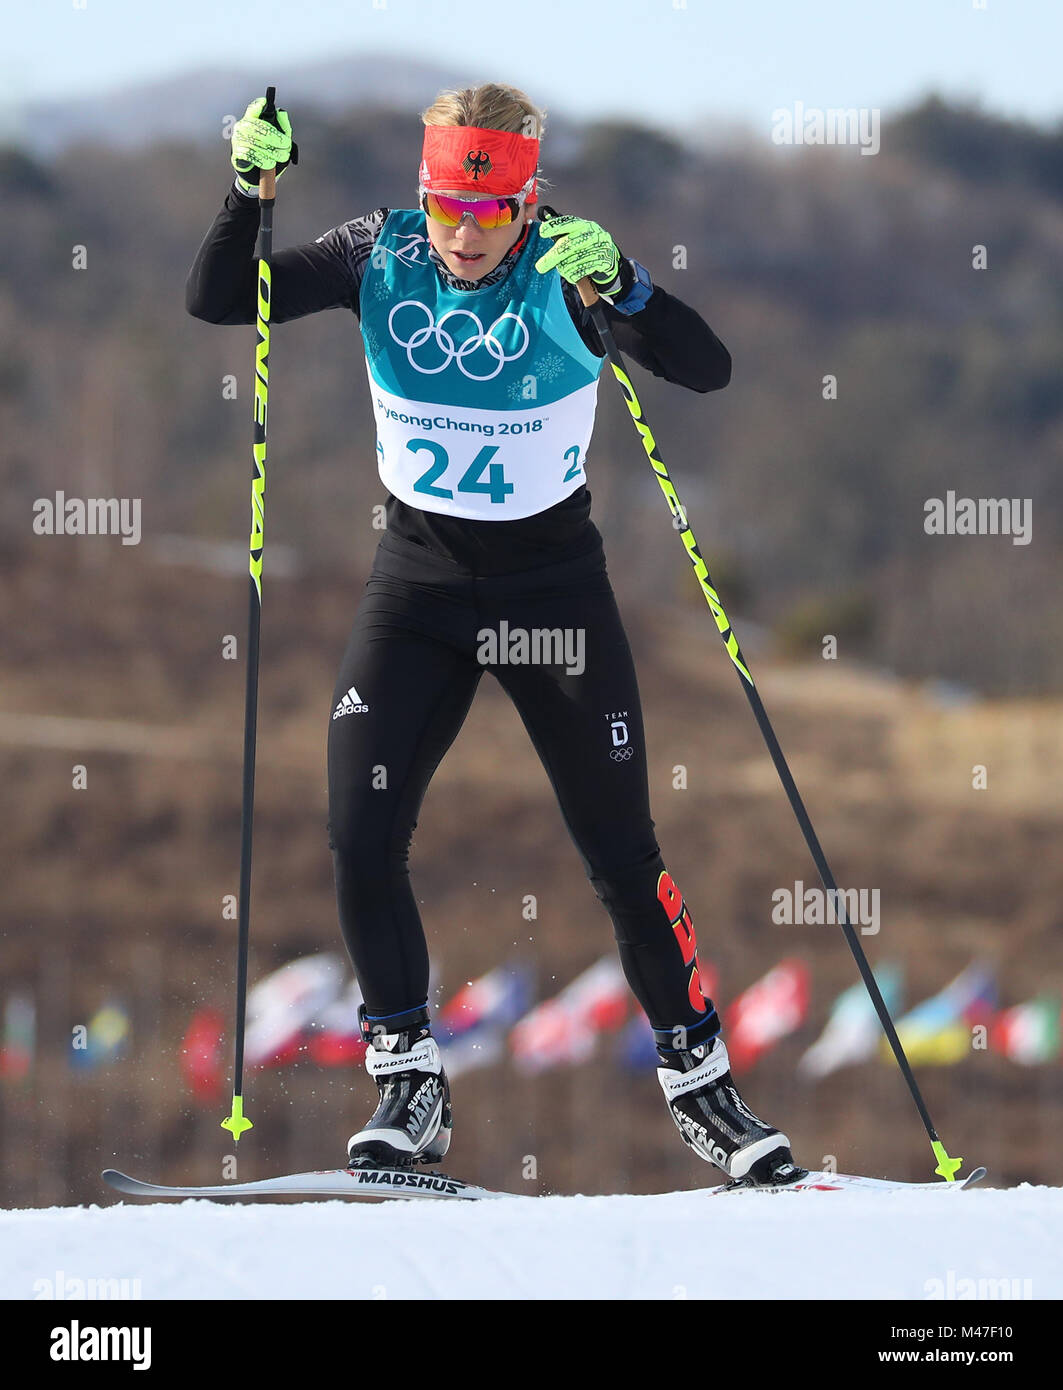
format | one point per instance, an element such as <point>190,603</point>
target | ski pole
<point>237,1122</point>
<point>946,1166</point>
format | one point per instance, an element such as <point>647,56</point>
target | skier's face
<point>468,250</point>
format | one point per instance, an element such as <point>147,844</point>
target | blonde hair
<point>491,106</point>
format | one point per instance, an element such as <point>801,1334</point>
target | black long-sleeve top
<point>665,336</point>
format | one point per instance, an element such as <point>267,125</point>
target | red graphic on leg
<point>670,898</point>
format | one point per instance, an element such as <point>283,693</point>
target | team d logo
<point>477,163</point>
<point>458,337</point>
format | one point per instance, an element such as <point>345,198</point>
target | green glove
<point>584,248</point>
<point>259,145</point>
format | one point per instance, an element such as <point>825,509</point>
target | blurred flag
<point>472,1027</point>
<point>768,1010</point>
<point>282,1005</point>
<point>19,1045</point>
<point>937,1032</point>
<point>105,1037</point>
<point>335,1037</point>
<point>202,1055</point>
<point>853,1029</point>
<point>564,1029</point>
<point>976,989</point>
<point>500,996</point>
<point>636,1048</point>
<point>1029,1033</point>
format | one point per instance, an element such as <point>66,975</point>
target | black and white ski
<point>330,1182</point>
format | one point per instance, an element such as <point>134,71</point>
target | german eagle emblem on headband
<point>477,163</point>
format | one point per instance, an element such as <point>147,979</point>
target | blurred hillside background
<point>807,262</point>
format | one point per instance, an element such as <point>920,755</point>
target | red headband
<point>466,158</point>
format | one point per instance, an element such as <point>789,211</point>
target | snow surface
<point>830,1245</point>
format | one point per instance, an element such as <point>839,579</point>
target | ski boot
<point>716,1122</point>
<point>413,1118</point>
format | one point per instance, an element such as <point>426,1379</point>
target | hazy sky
<point>664,60</point>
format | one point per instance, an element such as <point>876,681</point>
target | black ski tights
<point>419,645</point>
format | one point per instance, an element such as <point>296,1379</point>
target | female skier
<point>483,368</point>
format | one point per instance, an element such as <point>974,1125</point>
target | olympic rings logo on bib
<point>455,352</point>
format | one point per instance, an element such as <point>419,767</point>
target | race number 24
<point>472,480</point>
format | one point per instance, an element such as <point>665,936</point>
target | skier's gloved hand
<point>259,144</point>
<point>584,248</point>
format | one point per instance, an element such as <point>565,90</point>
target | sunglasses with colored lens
<point>488,213</point>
